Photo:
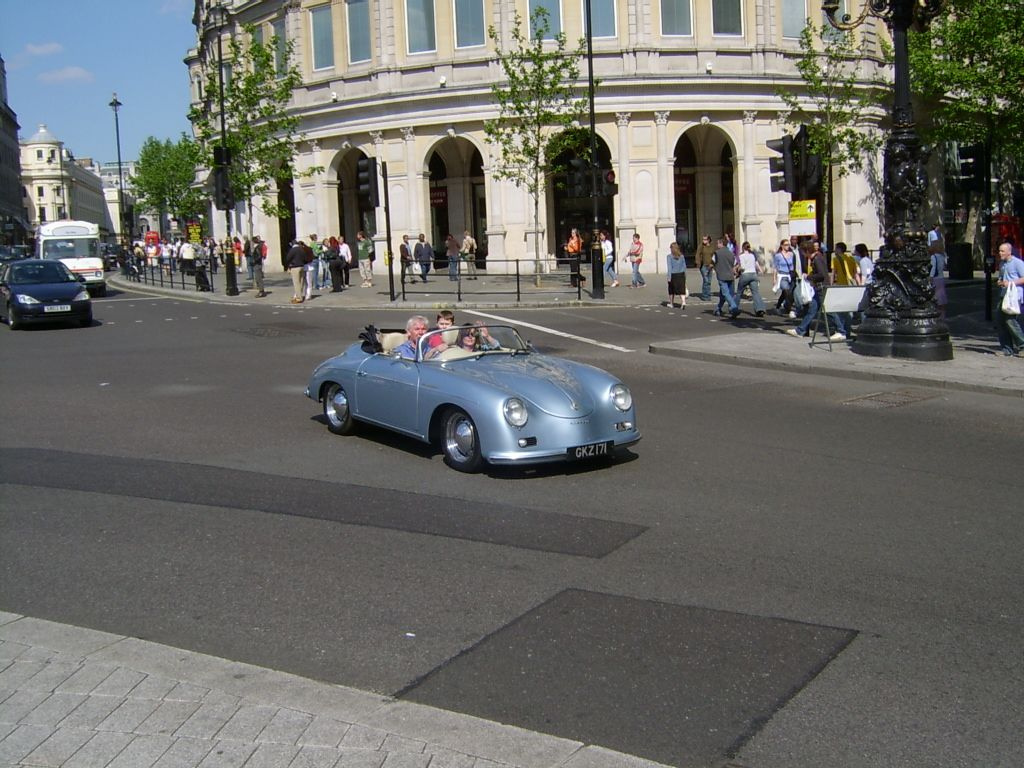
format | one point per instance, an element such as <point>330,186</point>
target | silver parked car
<point>479,393</point>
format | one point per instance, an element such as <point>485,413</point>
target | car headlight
<point>515,412</point>
<point>24,298</point>
<point>82,295</point>
<point>621,398</point>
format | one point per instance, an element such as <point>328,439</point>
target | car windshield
<point>70,248</point>
<point>36,272</point>
<point>473,340</point>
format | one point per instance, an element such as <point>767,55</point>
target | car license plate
<point>57,308</point>
<point>590,451</point>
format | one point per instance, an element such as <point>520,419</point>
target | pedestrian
<point>608,249</point>
<point>424,255</point>
<point>294,262</point>
<point>467,252</point>
<point>817,274</point>
<point>332,254</point>
<point>405,256</point>
<point>313,268</point>
<point>675,268</point>
<point>705,263</point>
<point>635,257</point>
<point>257,255</point>
<point>865,266</point>
<point>784,263</point>
<point>364,258</point>
<point>844,270</point>
<point>345,262</point>
<point>247,253</point>
<point>725,271</point>
<point>1008,327</point>
<point>937,270</point>
<point>574,252</point>
<point>451,247</point>
<point>750,273</point>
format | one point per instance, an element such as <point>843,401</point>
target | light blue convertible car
<point>481,394</point>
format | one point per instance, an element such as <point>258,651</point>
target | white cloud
<point>43,49</point>
<point>66,75</point>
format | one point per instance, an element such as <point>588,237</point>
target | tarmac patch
<point>681,685</point>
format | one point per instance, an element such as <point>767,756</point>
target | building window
<point>323,37</point>
<point>257,34</point>
<point>469,23</point>
<point>676,18</point>
<point>554,9</point>
<point>280,47</point>
<point>358,30</point>
<point>40,193</point>
<point>419,23</point>
<point>602,19</point>
<point>727,17</point>
<point>42,213</point>
<point>39,154</point>
<point>794,17</point>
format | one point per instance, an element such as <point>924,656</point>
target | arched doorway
<point>286,202</point>
<point>704,188</point>
<point>570,211</point>
<point>458,196</point>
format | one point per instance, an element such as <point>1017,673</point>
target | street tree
<point>841,98</point>
<point>967,69</point>
<point>537,100</point>
<point>164,178</point>
<point>261,133</point>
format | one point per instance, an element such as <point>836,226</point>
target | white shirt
<point>345,252</point>
<point>748,261</point>
<point>867,266</point>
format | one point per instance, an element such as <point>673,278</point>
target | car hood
<point>47,292</point>
<point>559,387</point>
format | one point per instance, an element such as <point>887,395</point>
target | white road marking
<point>552,331</point>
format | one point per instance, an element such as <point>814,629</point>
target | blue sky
<point>65,58</point>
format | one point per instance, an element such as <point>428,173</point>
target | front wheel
<point>12,320</point>
<point>337,411</point>
<point>460,442</point>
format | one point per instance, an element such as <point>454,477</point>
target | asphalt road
<point>781,573</point>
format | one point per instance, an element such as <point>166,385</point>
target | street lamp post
<point>116,105</point>
<point>223,159</point>
<point>903,319</point>
<point>596,253</point>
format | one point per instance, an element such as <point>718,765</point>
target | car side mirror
<point>81,278</point>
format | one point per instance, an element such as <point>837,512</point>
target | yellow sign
<point>803,209</point>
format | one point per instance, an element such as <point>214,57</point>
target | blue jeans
<point>609,269</point>
<point>836,322</point>
<point>705,285</point>
<point>453,267</point>
<point>726,295</point>
<point>638,279</point>
<point>750,278</point>
<point>1009,329</point>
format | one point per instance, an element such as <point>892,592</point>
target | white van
<point>77,245</point>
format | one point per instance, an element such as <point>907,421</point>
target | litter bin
<point>959,261</point>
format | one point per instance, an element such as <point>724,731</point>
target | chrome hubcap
<point>337,406</point>
<point>461,438</point>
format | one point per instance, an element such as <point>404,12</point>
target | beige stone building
<point>687,99</point>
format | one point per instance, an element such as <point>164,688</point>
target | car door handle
<point>360,373</point>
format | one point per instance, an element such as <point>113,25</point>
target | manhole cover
<point>890,399</point>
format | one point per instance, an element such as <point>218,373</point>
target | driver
<point>414,329</point>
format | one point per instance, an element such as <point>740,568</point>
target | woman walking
<point>608,249</point>
<point>676,270</point>
<point>784,263</point>
<point>635,256</point>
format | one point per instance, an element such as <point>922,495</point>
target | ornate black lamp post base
<point>903,319</point>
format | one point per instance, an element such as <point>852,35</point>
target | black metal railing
<point>195,276</point>
<point>520,276</point>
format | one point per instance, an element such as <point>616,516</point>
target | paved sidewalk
<point>976,367</point>
<point>71,696</point>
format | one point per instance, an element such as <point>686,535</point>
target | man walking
<point>750,270</point>
<point>725,270</point>
<point>468,254</point>
<point>705,263</point>
<point>364,256</point>
<point>294,262</point>
<point>424,256</point>
<point>256,256</point>
<point>1011,273</point>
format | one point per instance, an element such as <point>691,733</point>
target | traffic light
<point>223,196</point>
<point>783,165</point>
<point>808,166</point>
<point>366,179</point>
<point>577,178</point>
<point>608,186</point>
<point>973,167</point>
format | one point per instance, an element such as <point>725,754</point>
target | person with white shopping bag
<point>1008,325</point>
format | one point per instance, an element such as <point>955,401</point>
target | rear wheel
<point>337,411</point>
<point>460,442</point>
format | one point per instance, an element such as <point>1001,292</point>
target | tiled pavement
<point>79,698</point>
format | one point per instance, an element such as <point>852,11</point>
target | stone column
<point>415,182</point>
<point>750,220</point>
<point>666,221</point>
<point>622,175</point>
